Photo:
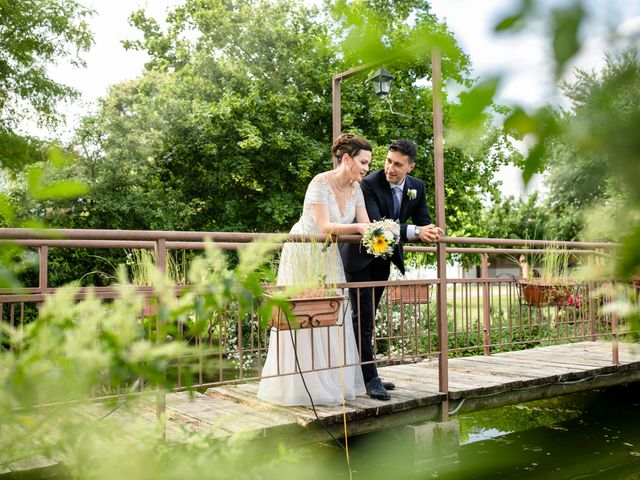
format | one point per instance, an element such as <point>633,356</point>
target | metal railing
<point>483,315</point>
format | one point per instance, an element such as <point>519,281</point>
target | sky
<point>523,59</point>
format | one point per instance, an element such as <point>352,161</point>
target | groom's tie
<point>396,194</point>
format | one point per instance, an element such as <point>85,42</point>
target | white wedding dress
<point>331,350</point>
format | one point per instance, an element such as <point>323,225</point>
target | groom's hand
<point>430,233</point>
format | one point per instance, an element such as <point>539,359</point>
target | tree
<point>35,34</point>
<point>580,177</point>
<point>225,132</point>
<point>520,219</point>
<point>602,131</point>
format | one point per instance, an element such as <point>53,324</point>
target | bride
<point>332,203</point>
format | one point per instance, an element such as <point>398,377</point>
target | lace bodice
<point>301,263</point>
<point>320,192</point>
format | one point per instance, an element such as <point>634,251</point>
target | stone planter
<point>310,312</point>
<point>409,294</point>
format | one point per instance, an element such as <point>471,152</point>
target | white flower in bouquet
<point>381,238</point>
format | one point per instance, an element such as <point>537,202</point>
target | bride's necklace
<point>335,182</point>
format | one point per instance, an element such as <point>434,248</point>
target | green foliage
<point>43,187</point>
<point>596,140</point>
<point>35,34</point>
<point>239,116</point>
<point>565,25</point>
<point>521,219</point>
<point>592,148</point>
<point>76,350</point>
<point>474,102</point>
<point>142,264</point>
<point>17,151</point>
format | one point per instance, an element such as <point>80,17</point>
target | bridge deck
<point>474,383</point>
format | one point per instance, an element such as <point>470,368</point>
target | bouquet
<point>381,238</point>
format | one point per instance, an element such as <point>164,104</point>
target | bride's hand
<point>362,228</point>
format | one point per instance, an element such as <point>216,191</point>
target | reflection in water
<point>479,434</point>
<point>593,434</point>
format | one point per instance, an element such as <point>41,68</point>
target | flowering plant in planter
<point>551,284</point>
<point>304,297</point>
<point>308,309</point>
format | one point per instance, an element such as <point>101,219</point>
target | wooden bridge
<point>475,383</point>
<point>454,317</point>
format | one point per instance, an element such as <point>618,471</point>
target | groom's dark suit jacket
<point>377,197</point>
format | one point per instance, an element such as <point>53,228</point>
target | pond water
<point>593,435</point>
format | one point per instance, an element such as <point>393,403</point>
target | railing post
<point>592,312</point>
<point>43,274</point>
<point>161,395</point>
<point>615,356</point>
<point>486,311</point>
<point>441,247</point>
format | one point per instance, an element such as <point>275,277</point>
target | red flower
<point>574,300</point>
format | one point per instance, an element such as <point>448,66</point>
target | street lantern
<point>381,81</point>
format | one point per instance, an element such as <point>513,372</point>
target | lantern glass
<point>382,80</point>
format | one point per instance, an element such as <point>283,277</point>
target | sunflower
<point>380,244</point>
<point>381,238</point>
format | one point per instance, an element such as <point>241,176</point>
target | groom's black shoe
<point>376,390</point>
<point>389,385</point>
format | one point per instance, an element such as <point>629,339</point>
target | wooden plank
<point>545,391</point>
<point>571,365</point>
<point>569,360</point>
<point>526,371</point>
<point>232,416</point>
<point>300,415</point>
<point>518,373</point>
<point>424,381</point>
<point>594,350</point>
<point>522,365</point>
<point>565,355</point>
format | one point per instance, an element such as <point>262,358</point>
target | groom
<point>388,193</point>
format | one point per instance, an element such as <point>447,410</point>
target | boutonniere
<point>412,193</point>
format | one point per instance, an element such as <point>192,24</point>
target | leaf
<point>629,262</point>
<point>534,162</point>
<point>519,123</point>
<point>7,210</point>
<point>58,158</point>
<point>63,189</point>
<point>508,23</point>
<point>474,102</point>
<point>565,24</point>
<point>8,279</point>
<point>515,21</point>
<point>33,178</point>
<point>37,225</point>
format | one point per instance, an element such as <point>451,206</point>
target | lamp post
<point>382,80</point>
<point>335,94</point>
<point>441,247</point>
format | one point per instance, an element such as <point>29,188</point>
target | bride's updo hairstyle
<point>350,144</point>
